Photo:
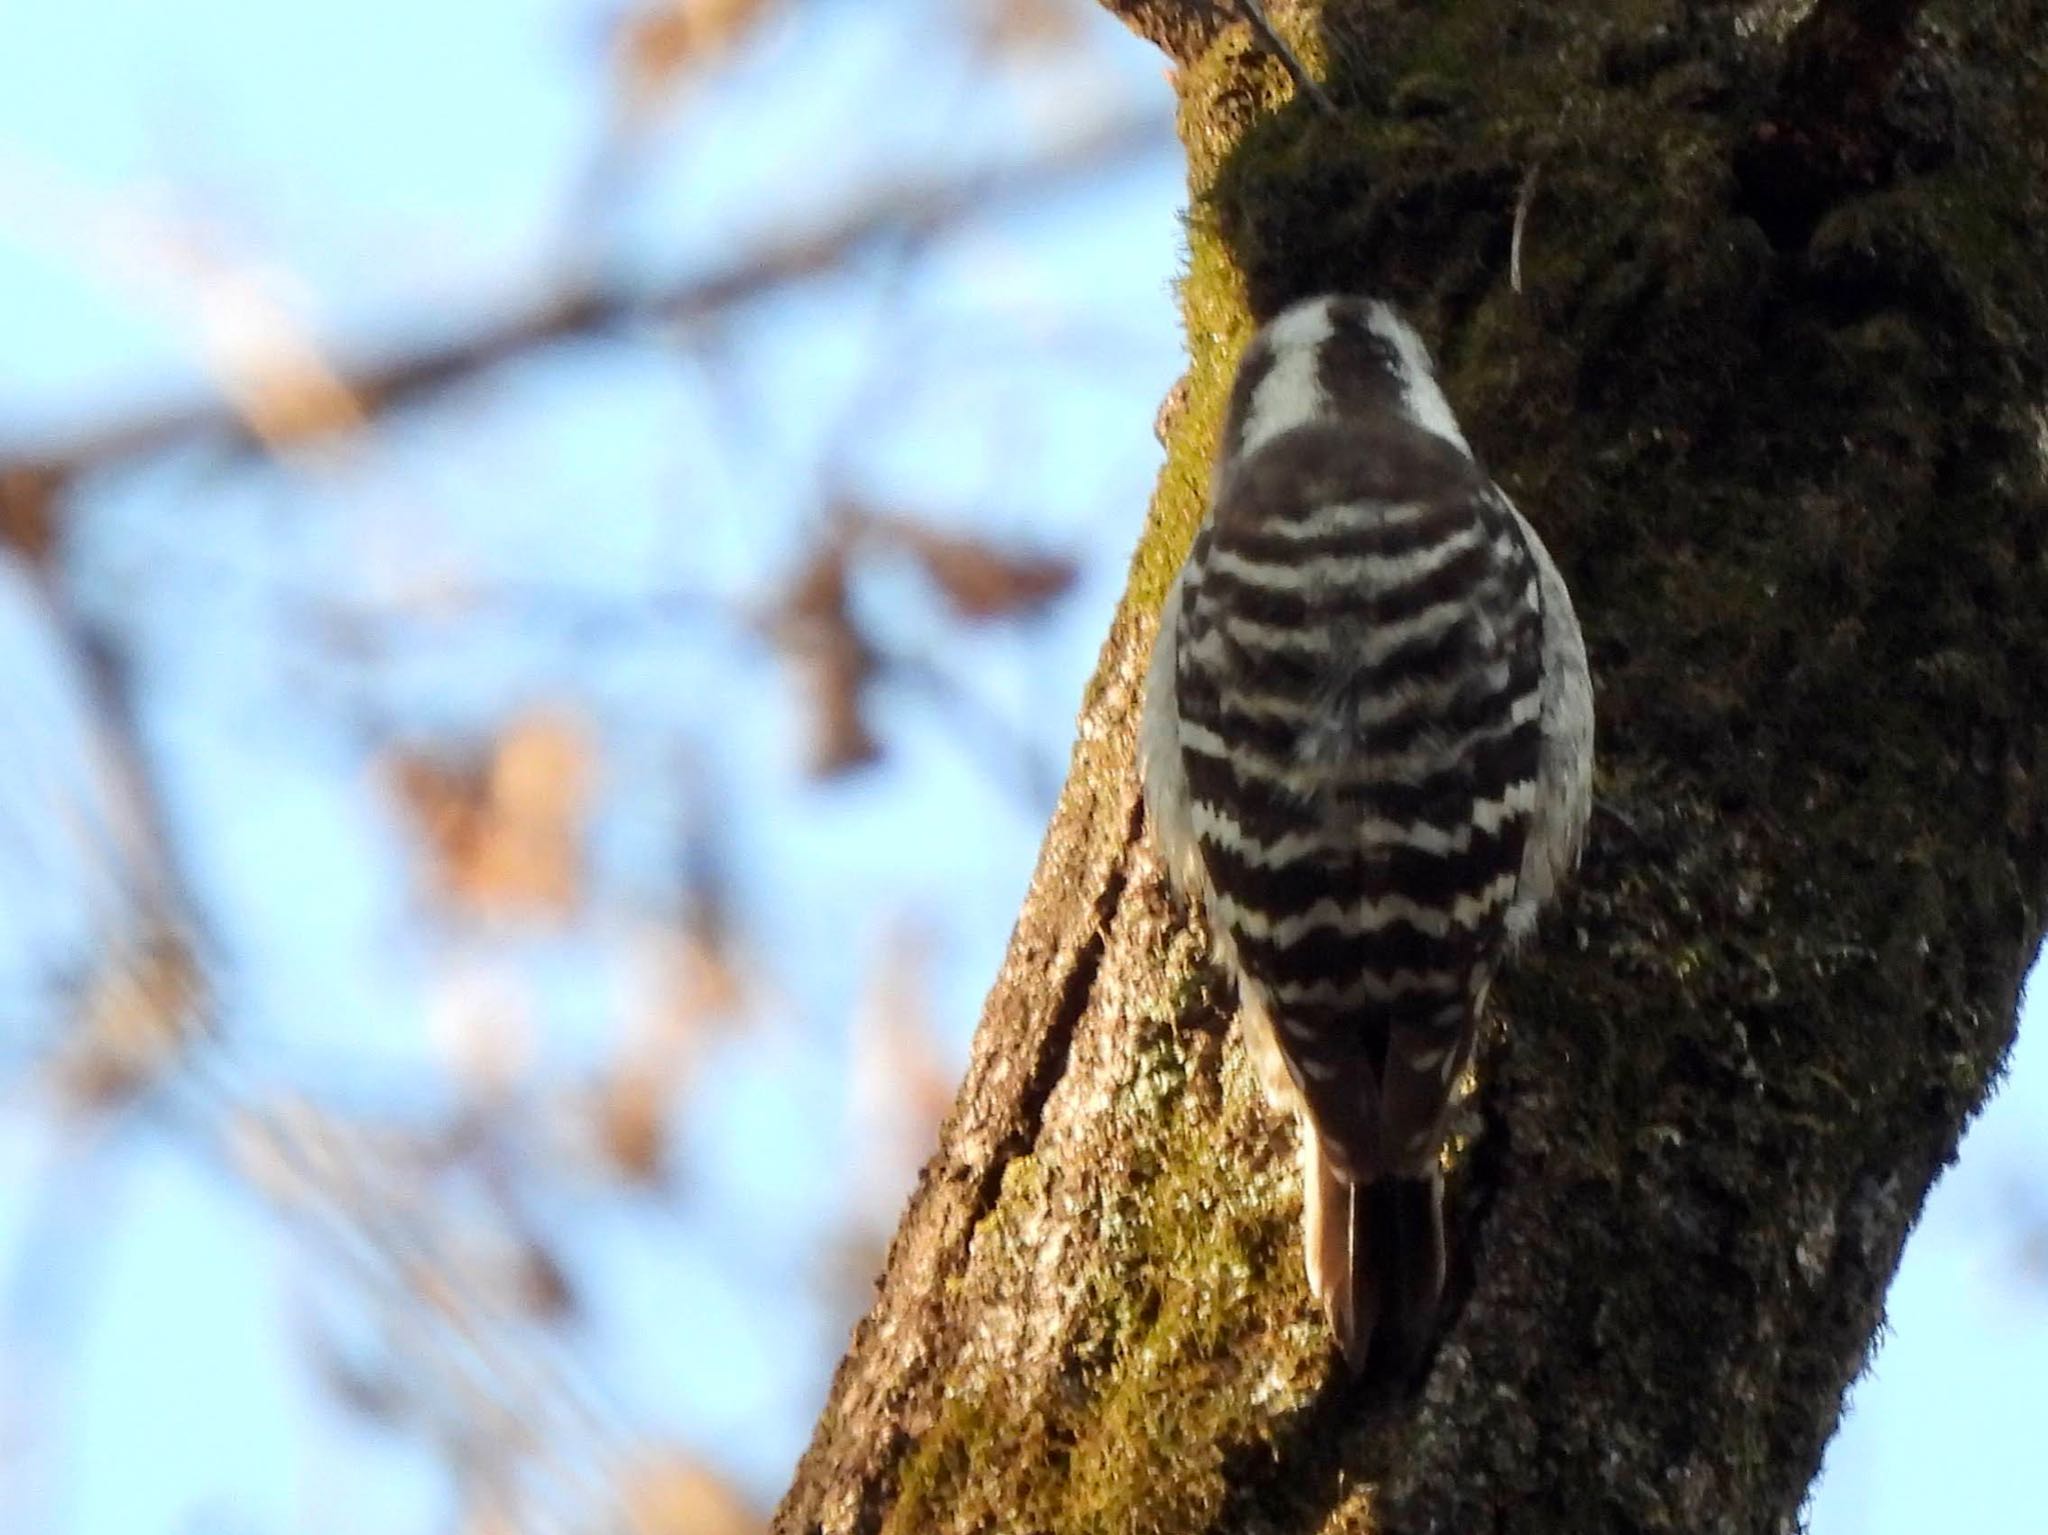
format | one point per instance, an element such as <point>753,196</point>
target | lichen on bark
<point>1786,445</point>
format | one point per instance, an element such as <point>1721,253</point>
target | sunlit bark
<point>1771,387</point>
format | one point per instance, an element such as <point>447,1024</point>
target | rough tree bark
<point>1772,389</point>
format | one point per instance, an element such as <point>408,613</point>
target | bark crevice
<point>1797,482</point>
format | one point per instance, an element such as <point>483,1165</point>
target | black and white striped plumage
<point>1367,749</point>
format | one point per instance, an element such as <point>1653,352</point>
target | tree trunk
<point>1772,391</point>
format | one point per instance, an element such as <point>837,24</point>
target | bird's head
<point>1335,356</point>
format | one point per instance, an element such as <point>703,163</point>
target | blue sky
<point>391,168</point>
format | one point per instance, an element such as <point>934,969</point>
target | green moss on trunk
<point>1793,467</point>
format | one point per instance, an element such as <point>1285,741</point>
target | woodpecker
<point>1367,750</point>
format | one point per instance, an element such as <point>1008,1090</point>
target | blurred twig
<point>602,309</point>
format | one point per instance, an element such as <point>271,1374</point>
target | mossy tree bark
<point>1772,389</point>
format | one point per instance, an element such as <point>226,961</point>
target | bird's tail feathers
<point>1375,1253</point>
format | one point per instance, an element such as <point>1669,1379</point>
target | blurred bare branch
<point>439,1219</point>
<point>601,310</point>
<point>136,1015</point>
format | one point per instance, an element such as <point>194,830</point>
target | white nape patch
<point>1292,393</point>
<point>1423,401</point>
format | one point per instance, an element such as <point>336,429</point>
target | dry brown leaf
<point>979,580</point>
<point>834,682</point>
<point>504,835</point>
<point>544,1290</point>
<point>1013,25</point>
<point>688,987</point>
<point>247,316</point>
<point>709,983</point>
<point>814,628</point>
<point>902,1081</point>
<point>817,597</point>
<point>135,1018</point>
<point>539,791</point>
<point>674,1495</point>
<point>489,1514</point>
<point>268,365</point>
<point>448,804</point>
<point>540,772</point>
<point>632,1120</point>
<point>28,522</point>
<point>662,44</point>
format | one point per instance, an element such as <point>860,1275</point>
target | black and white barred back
<point>1367,749</point>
